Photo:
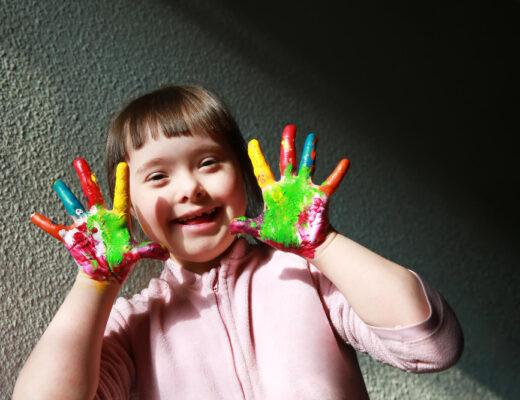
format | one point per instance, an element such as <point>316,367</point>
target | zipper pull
<point>215,285</point>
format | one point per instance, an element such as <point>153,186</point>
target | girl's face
<point>184,192</point>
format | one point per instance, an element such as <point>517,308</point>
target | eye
<point>155,177</point>
<point>208,162</point>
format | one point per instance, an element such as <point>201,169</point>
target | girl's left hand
<point>295,216</point>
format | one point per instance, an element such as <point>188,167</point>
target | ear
<point>134,226</point>
<point>133,212</point>
<point>132,221</point>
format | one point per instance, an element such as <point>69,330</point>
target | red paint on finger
<point>88,183</point>
<point>287,155</point>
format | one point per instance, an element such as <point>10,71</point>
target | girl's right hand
<point>99,240</point>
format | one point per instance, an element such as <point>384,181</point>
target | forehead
<point>135,139</point>
<point>172,148</point>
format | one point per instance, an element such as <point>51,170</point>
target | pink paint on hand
<point>295,216</point>
<point>88,251</point>
<point>99,241</point>
<point>313,226</point>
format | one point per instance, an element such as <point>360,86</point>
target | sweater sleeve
<point>117,370</point>
<point>432,345</point>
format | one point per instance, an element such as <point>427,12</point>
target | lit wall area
<point>421,97</point>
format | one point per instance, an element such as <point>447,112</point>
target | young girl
<point>227,319</point>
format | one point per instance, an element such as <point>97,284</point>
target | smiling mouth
<point>206,216</point>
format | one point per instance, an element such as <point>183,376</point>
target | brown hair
<point>179,111</point>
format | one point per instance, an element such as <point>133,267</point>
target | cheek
<point>229,190</point>
<point>144,211</point>
<point>152,208</point>
<point>242,199</point>
<point>143,219</point>
<point>237,195</point>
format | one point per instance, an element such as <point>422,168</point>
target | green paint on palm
<point>114,233</point>
<point>284,203</point>
<point>288,171</point>
<point>93,261</point>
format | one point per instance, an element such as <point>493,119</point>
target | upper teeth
<point>195,216</point>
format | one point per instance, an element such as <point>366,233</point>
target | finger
<point>306,168</point>
<point>121,194</point>
<point>287,157</point>
<point>47,225</point>
<point>245,225</point>
<point>88,183</point>
<point>152,250</point>
<point>263,173</point>
<point>332,182</point>
<point>71,202</point>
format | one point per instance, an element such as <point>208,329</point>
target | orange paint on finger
<point>47,225</point>
<point>331,184</point>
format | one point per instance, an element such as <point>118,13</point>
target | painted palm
<point>99,240</point>
<point>295,216</point>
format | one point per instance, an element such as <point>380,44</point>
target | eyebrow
<point>150,163</point>
<point>158,160</point>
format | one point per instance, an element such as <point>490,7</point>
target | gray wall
<point>419,98</point>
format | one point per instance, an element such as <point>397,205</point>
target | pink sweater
<point>263,325</point>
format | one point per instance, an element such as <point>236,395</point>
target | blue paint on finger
<point>308,156</point>
<point>71,202</point>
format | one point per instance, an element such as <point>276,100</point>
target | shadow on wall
<point>437,87</point>
<point>439,80</point>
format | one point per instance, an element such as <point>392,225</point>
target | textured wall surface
<point>420,98</point>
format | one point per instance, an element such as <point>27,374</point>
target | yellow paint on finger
<point>263,173</point>
<point>121,198</point>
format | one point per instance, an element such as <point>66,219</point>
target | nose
<point>188,188</point>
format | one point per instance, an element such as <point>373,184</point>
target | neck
<point>201,267</point>
<point>198,268</point>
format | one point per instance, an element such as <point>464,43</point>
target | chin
<point>205,252</point>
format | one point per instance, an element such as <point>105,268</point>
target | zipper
<point>220,313</point>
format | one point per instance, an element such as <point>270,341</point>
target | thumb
<point>152,250</point>
<point>245,225</point>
